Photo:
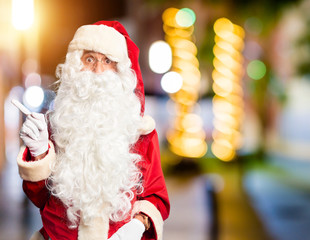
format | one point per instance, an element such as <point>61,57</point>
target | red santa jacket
<point>153,201</point>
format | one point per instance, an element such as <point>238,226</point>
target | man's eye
<point>89,59</point>
<point>107,61</point>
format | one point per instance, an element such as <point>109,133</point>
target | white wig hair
<point>94,125</point>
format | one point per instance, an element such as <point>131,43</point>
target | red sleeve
<point>155,190</point>
<point>35,191</point>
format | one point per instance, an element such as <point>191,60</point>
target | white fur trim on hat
<point>36,170</point>
<point>102,39</point>
<point>148,125</point>
<point>150,210</point>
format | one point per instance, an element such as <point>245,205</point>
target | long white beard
<point>94,125</point>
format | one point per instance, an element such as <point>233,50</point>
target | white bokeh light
<point>22,14</point>
<point>171,82</point>
<point>160,57</point>
<point>33,97</point>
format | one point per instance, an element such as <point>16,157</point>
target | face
<point>97,62</point>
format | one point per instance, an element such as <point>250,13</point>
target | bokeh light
<point>223,26</point>
<point>22,14</point>
<point>256,69</point>
<point>253,50</point>
<point>253,25</point>
<point>227,102</point>
<point>33,97</point>
<point>171,82</point>
<point>185,17</point>
<point>223,150</point>
<point>160,57</point>
<point>186,136</point>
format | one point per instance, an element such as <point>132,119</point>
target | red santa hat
<point>111,38</point>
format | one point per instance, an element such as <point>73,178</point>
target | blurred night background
<point>228,83</point>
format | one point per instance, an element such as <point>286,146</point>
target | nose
<point>99,68</point>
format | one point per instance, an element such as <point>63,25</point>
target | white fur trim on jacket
<point>37,236</point>
<point>102,39</point>
<point>149,209</point>
<point>148,125</point>
<point>36,170</point>
<point>97,229</point>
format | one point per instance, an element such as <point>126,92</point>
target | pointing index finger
<point>20,106</point>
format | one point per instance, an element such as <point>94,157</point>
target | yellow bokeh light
<point>228,60</point>
<point>218,90</point>
<point>223,87</point>
<point>224,121</point>
<point>184,33</point>
<point>223,150</point>
<point>222,127</point>
<point>184,55</point>
<point>231,38</point>
<point>224,46</point>
<point>238,31</point>
<point>192,123</point>
<point>186,66</point>
<point>224,70</point>
<point>191,79</point>
<point>234,137</point>
<point>173,32</point>
<point>230,68</point>
<point>186,145</point>
<point>170,32</point>
<point>187,137</point>
<point>168,16</point>
<point>225,83</point>
<point>185,44</point>
<point>220,105</point>
<point>218,75</point>
<point>186,96</point>
<point>227,75</point>
<point>223,25</point>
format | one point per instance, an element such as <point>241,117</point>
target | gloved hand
<point>132,230</point>
<point>34,134</point>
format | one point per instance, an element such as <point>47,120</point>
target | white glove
<point>34,134</point>
<point>132,230</point>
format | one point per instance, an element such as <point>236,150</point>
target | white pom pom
<point>148,125</point>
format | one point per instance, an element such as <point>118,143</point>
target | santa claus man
<point>92,165</point>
